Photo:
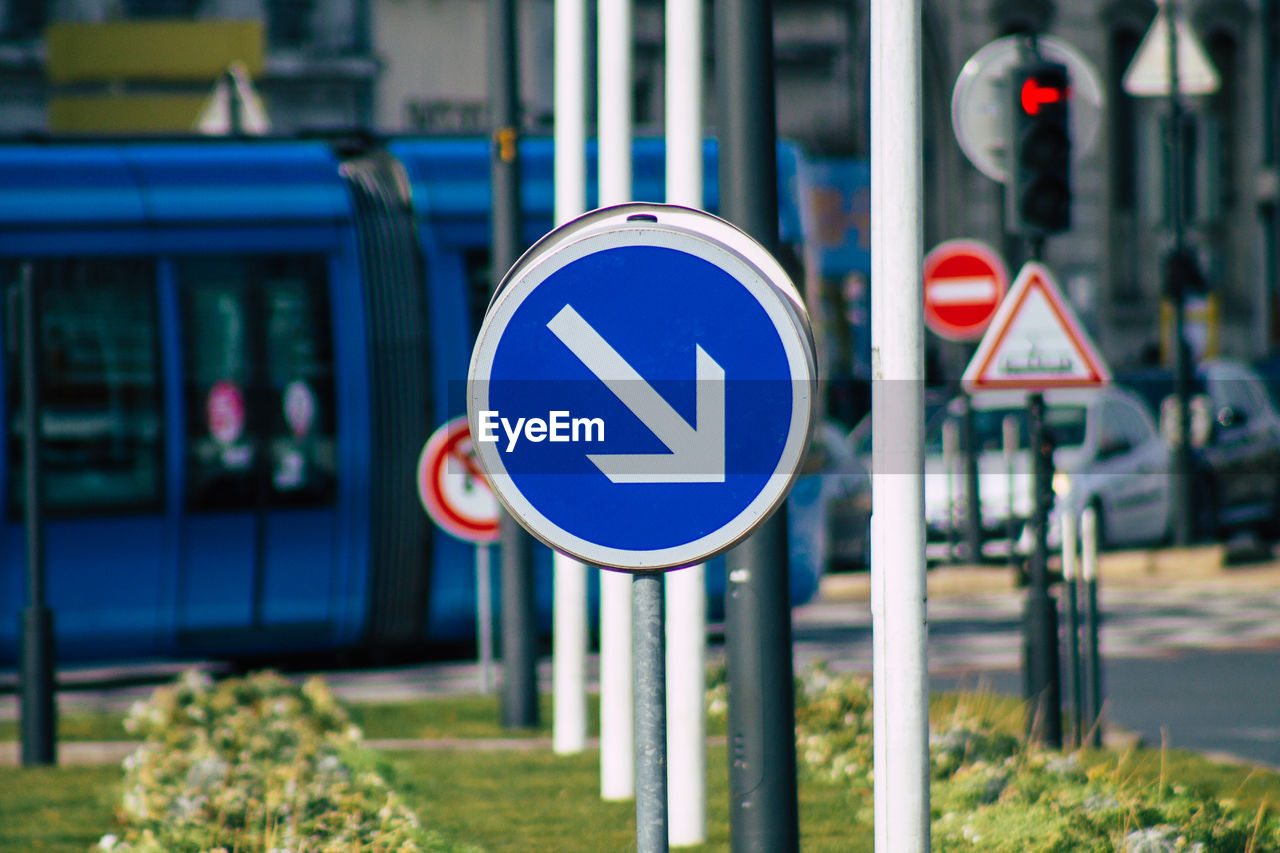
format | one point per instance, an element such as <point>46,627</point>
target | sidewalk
<point>1208,566</point>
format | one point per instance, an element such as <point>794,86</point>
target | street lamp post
<point>1174,286</point>
<point>1160,68</point>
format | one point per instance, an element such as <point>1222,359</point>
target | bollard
<point>1009,445</point>
<point>1093,665</point>
<point>1074,684</point>
<point>950,458</point>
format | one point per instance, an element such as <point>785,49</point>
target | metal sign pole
<point>519,632</point>
<point>972,495</point>
<point>1040,614</point>
<point>651,713</point>
<point>39,716</point>
<point>764,812</point>
<point>484,617</point>
<point>1183,495</point>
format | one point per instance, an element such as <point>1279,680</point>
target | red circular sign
<point>964,281</point>
<point>224,412</point>
<point>452,486</point>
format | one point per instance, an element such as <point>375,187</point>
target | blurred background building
<point>419,66</point>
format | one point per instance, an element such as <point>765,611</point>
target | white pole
<point>569,656</point>
<point>617,693</point>
<point>1069,542</point>
<point>686,588</point>
<point>569,638</point>
<point>951,461</point>
<point>897,354</point>
<point>570,109</point>
<point>613,109</point>
<point>484,616</point>
<point>1009,437</point>
<point>1089,544</point>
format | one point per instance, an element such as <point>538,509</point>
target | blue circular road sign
<point>640,392</point>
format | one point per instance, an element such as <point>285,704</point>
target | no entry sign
<point>964,281</point>
<point>452,487</point>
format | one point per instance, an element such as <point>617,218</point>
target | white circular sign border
<point>777,305</point>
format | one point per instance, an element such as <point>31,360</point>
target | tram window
<point>259,382</point>
<point>299,368</point>
<point>479,285</point>
<point>221,446</point>
<point>100,391</point>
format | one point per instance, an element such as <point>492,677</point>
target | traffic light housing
<point>1038,193</point>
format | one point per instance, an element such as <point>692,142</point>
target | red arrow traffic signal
<point>1034,95</point>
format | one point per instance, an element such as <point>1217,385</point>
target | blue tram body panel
<point>167,579</point>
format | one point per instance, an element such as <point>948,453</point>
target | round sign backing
<point>964,283</point>
<point>980,101</point>
<point>641,388</point>
<point>453,489</point>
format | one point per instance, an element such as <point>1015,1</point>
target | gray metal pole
<point>651,712</point>
<point>1040,625</point>
<point>1074,681</point>
<point>235,108</point>
<point>1183,493</point>
<point>519,631</point>
<point>764,809</point>
<point>39,715</point>
<point>972,494</point>
<point>1271,249</point>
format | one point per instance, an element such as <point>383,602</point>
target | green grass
<point>77,727</point>
<point>471,716</point>
<point>537,802</point>
<point>467,717</point>
<point>56,809</point>
<point>532,800</point>
<point>1250,788</point>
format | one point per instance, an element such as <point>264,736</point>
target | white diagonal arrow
<point>697,455</point>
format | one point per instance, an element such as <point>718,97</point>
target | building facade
<point>420,66</point>
<point>1110,262</point>
<point>312,62</point>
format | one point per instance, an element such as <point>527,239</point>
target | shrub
<point>256,764</point>
<point>993,792</point>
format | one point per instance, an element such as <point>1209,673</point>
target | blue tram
<point>243,346</point>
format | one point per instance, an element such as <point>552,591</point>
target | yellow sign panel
<point>151,50</point>
<point>123,113</point>
<point>1202,327</point>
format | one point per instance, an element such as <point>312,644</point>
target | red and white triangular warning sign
<point>1035,342</point>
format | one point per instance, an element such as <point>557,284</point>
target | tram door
<point>258,531</point>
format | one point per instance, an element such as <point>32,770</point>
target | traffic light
<point>1038,193</point>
